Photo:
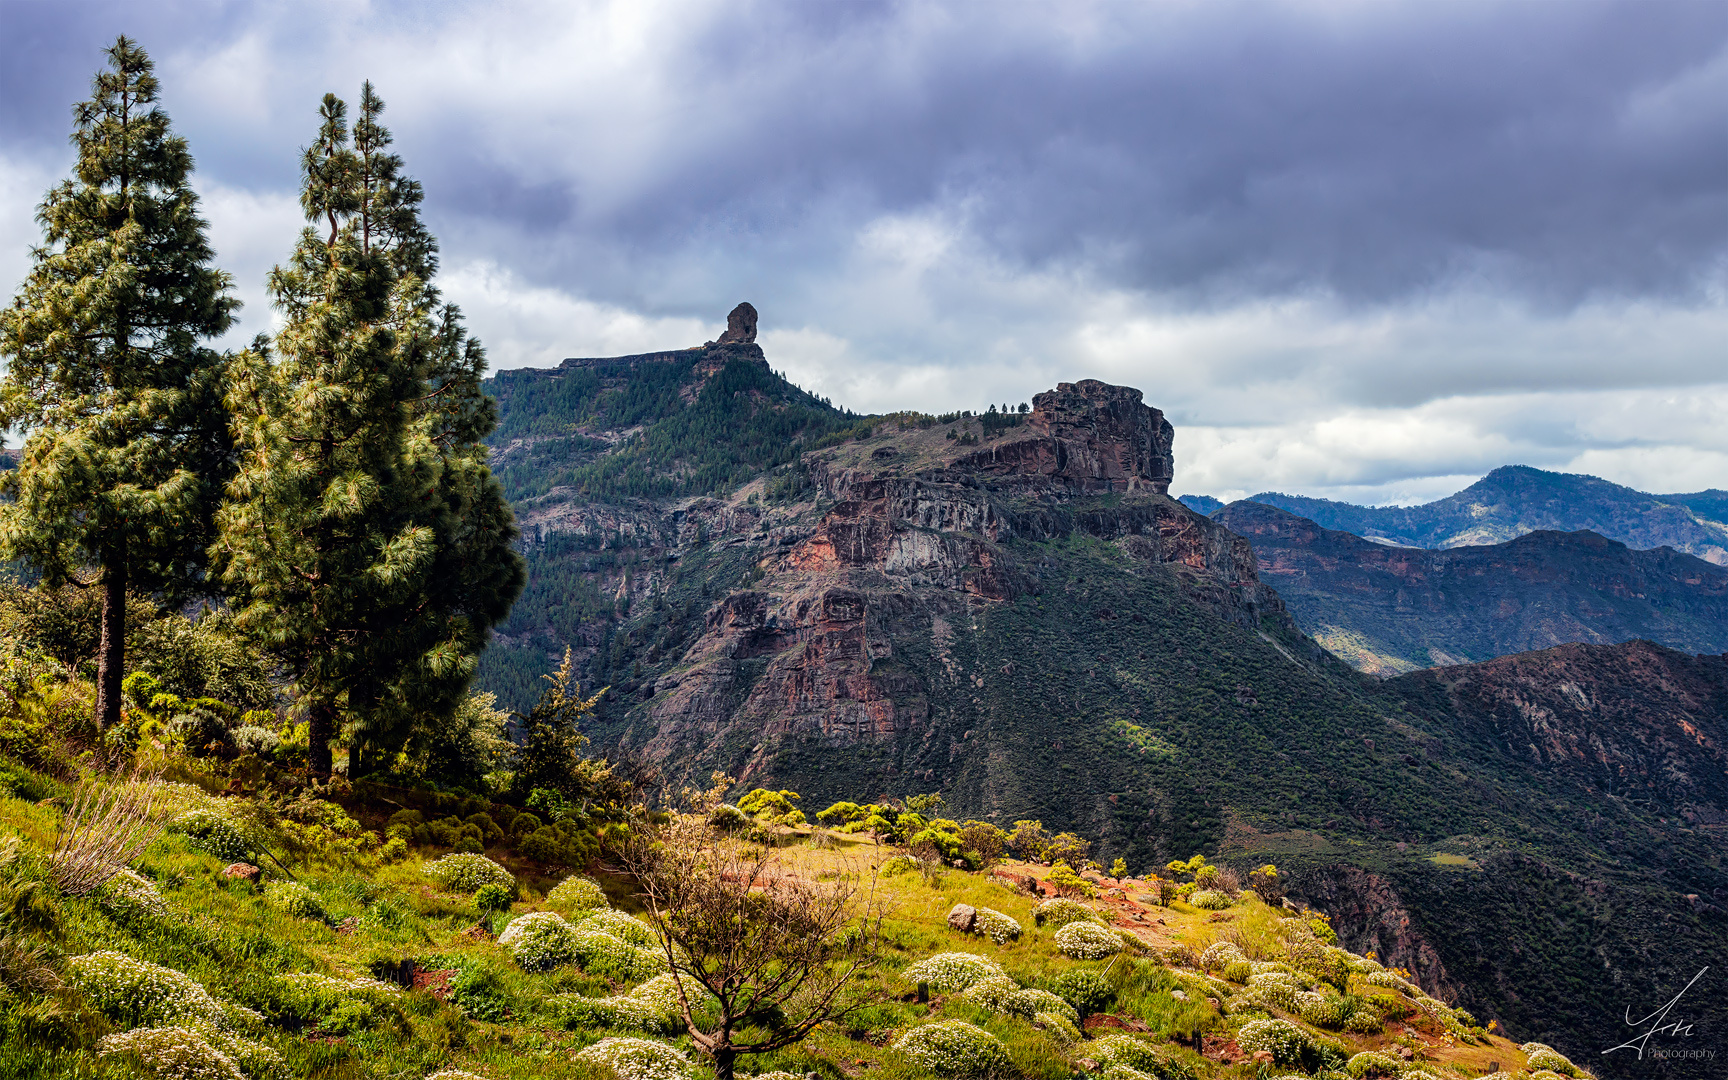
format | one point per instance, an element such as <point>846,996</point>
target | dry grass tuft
<point>107,825</point>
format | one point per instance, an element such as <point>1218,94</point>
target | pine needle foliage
<point>107,370</point>
<point>365,540</point>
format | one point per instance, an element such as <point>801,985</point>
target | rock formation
<point>740,326</point>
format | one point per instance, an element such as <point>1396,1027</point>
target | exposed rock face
<point>918,529</point>
<point>1369,916</point>
<point>740,326</point>
<point>1088,437</point>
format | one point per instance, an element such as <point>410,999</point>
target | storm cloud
<point>1365,250</point>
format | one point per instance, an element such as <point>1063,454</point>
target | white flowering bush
<point>453,1074</point>
<point>1543,1056</point>
<point>1321,1010</point>
<point>1087,941</point>
<point>620,925</point>
<point>1361,965</point>
<point>1285,1041</point>
<point>1270,989</point>
<point>996,926</point>
<point>1060,1026</point>
<point>1125,1051</point>
<point>578,1012</point>
<point>952,1048</point>
<point>1373,1061</point>
<point>312,994</point>
<point>137,993</point>
<point>540,940</point>
<point>1210,899</point>
<point>577,893</point>
<point>173,1053</point>
<point>214,833</point>
<point>595,948</point>
<point>293,898</point>
<point>661,992</point>
<point>637,1059</point>
<point>129,894</point>
<point>1061,910</point>
<point>1364,1022</point>
<point>953,971</point>
<point>1031,1002</point>
<point>465,871</point>
<point>1392,982</point>
<point>1124,1072</point>
<point>992,993</point>
<point>1221,954</point>
<point>254,1058</point>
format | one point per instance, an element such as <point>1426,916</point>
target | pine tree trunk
<point>725,1060</point>
<point>111,653</point>
<point>320,729</point>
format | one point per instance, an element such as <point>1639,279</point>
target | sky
<point>1360,250</point>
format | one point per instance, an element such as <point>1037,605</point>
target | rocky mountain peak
<point>1124,444</point>
<point>740,326</point>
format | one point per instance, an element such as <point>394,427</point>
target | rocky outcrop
<point>740,326</point>
<point>1369,916</point>
<point>1086,438</point>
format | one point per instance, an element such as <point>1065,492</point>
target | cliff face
<point>911,530</point>
<point>1389,609</point>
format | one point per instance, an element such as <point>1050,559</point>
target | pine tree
<point>127,446</point>
<point>365,541</point>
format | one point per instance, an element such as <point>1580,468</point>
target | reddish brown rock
<point>242,870</point>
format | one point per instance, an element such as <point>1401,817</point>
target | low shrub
<point>1061,910</point>
<point>129,895</point>
<point>608,954</point>
<point>136,993</point>
<point>577,1012</point>
<point>1125,1051</point>
<point>1210,899</point>
<point>1286,1042</point>
<point>1321,1010</point>
<point>899,864</point>
<point>952,972</point>
<point>1085,991</point>
<point>620,925</point>
<point>173,1053</point>
<point>637,1059</point>
<point>468,872</point>
<point>996,926</point>
<point>1087,941</point>
<point>540,941</point>
<point>1221,955</point>
<point>1543,1056</point>
<point>215,834</point>
<point>293,898</point>
<point>953,1048</point>
<point>1372,1062</point>
<point>576,893</point>
<point>494,897</point>
<point>1034,1003</point>
<point>992,994</point>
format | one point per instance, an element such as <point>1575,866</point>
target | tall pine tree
<point>107,370</point>
<point>365,540</point>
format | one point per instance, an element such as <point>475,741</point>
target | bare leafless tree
<point>775,952</point>
<point>108,824</point>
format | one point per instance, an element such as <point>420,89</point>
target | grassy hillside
<point>356,958</point>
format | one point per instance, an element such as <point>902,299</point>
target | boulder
<point>242,870</point>
<point>962,916</point>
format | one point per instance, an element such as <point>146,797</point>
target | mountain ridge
<point>1009,610</point>
<point>1388,610</point>
<point>1516,499</point>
